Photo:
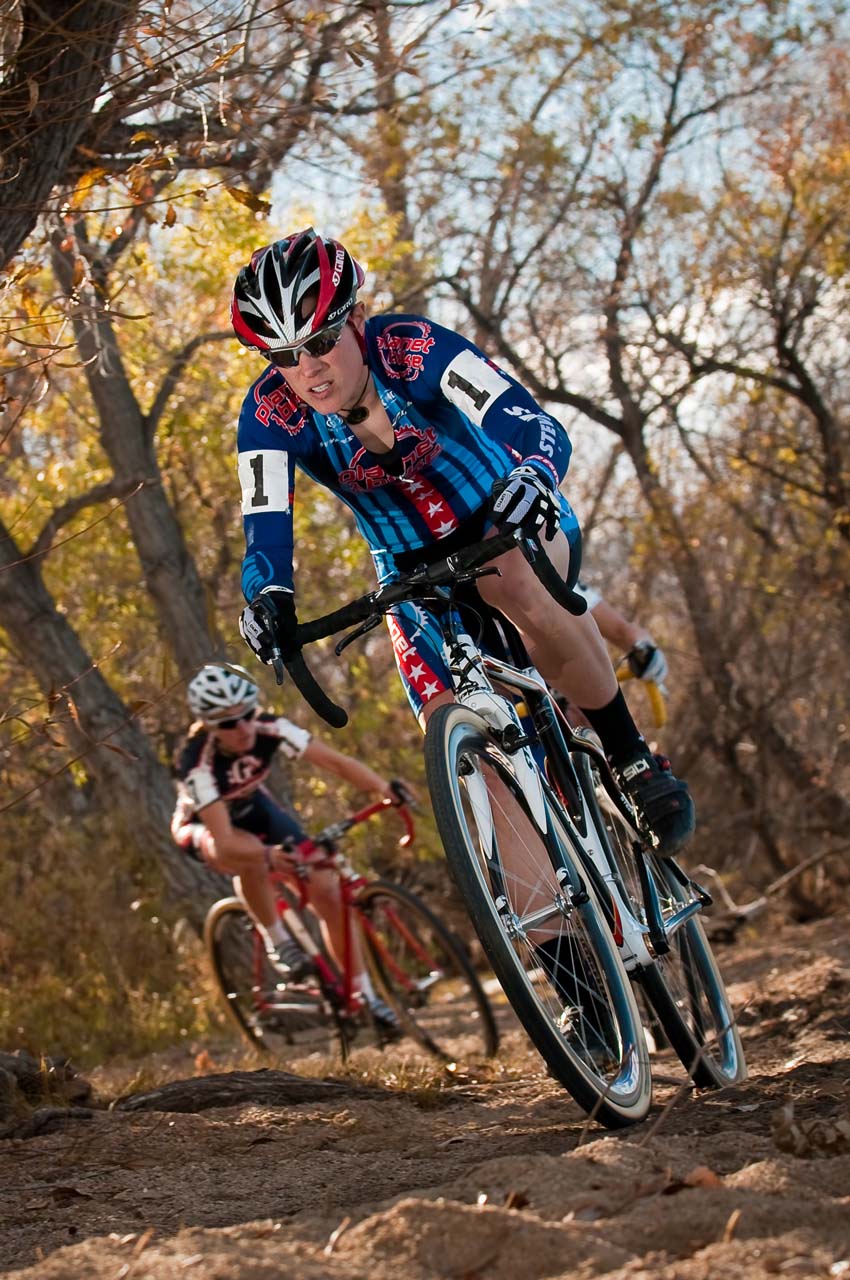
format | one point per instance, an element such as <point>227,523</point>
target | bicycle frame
<point>473,673</point>
<point>640,944</point>
<point>339,987</point>
<point>335,987</point>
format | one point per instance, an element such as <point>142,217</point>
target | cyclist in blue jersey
<point>412,427</point>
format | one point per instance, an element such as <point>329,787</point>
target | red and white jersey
<point>206,774</point>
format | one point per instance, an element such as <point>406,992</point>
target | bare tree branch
<point>174,374</point>
<point>64,514</point>
<point>58,70</point>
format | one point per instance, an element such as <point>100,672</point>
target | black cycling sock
<point>621,738</point>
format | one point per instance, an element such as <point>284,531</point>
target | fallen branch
<point>736,914</point>
<point>235,1088</point>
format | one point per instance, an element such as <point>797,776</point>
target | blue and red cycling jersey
<point>460,423</point>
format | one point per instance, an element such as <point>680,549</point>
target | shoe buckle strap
<point>635,769</point>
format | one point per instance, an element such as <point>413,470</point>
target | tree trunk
<point>46,101</point>
<point>129,780</point>
<point>170,572</point>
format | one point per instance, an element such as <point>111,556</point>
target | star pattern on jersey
<point>414,668</point>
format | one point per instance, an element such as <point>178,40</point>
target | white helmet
<point>221,693</point>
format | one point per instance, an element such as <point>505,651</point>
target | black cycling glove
<point>270,622</point>
<point>402,793</point>
<point>647,662</point>
<point>523,500</point>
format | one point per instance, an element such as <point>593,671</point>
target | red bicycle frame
<point>320,854</point>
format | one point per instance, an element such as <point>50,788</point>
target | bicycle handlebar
<point>313,693</point>
<point>428,582</point>
<point>328,836</point>
<point>401,809</point>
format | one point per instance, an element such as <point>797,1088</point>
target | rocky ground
<point>406,1169</point>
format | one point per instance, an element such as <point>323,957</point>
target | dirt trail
<point>490,1172</point>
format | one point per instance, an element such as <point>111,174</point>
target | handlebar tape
<point>314,694</point>
<point>346,616</point>
<point>547,575</point>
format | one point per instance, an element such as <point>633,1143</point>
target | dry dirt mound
<point>488,1171</point>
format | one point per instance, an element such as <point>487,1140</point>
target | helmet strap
<point>358,412</point>
<point>361,337</point>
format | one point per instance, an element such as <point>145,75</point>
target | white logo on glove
<point>252,630</point>
<point>527,502</point>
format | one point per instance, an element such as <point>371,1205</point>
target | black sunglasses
<point>231,724</point>
<point>320,344</point>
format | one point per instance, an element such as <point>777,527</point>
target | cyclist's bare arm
<point>644,659</point>
<point>618,630</point>
<point>235,851</point>
<point>346,767</point>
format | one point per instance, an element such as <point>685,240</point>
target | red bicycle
<point>419,967</point>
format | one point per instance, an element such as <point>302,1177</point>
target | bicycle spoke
<point>547,940</point>
<point>684,986</point>
<point>424,975</point>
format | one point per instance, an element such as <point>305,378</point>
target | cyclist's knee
<point>516,591</point>
<point>324,888</point>
<point>433,704</point>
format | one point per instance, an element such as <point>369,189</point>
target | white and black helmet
<point>269,308</point>
<point>221,693</point>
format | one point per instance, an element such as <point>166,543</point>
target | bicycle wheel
<point>423,974</point>
<point>269,1018</point>
<point>684,987</point>
<point>539,922</point>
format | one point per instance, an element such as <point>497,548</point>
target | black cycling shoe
<point>386,1021</point>
<point>291,963</point>
<point>662,801</point>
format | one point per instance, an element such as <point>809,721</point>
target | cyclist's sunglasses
<point>320,344</point>
<point>237,720</point>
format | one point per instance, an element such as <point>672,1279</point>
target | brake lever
<point>469,575</point>
<point>362,630</point>
<point>277,664</point>
<point>404,797</point>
